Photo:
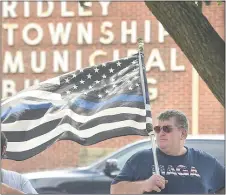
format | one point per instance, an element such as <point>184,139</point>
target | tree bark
<point>201,44</point>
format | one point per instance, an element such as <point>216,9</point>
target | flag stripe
<point>35,142</point>
<point>32,115</point>
<point>35,93</point>
<point>20,136</point>
<point>24,125</point>
<point>122,98</point>
<point>73,137</point>
<point>24,115</point>
<point>37,114</point>
<point>78,103</point>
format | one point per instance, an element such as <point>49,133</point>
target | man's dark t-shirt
<point>191,173</point>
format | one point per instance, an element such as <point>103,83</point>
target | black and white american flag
<point>86,106</point>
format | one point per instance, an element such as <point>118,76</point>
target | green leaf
<point>219,2</point>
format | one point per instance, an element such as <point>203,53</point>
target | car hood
<point>69,172</point>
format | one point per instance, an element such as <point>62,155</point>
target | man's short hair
<point>180,117</point>
<point>3,141</point>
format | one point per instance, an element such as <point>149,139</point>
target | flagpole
<point>149,126</point>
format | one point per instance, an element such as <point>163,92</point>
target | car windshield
<point>123,154</point>
<point>213,147</point>
<point>91,159</point>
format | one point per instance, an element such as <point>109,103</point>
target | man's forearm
<point>126,187</point>
<point>5,189</point>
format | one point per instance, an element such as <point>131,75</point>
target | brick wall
<point>211,114</point>
<point>174,88</point>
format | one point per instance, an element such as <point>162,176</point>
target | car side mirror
<point>111,168</point>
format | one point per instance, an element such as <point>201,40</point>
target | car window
<point>123,158</point>
<point>212,147</point>
<point>124,154</point>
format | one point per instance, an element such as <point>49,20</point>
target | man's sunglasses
<point>166,129</point>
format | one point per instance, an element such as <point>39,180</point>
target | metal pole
<point>149,126</point>
<point>152,136</point>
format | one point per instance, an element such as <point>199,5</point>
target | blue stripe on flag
<point>22,107</point>
<point>79,103</point>
<point>92,105</point>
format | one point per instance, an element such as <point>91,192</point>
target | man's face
<point>169,141</point>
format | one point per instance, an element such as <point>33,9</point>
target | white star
<point>100,96</point>
<point>104,65</point>
<point>81,70</point>
<point>85,93</point>
<point>137,85</point>
<point>82,82</point>
<point>75,86</point>
<point>130,88</point>
<point>106,91</point>
<point>89,76</point>
<point>68,92</point>
<point>96,69</point>
<point>74,75</point>
<point>90,87</point>
<point>119,63</point>
<point>114,85</point>
<point>113,79</point>
<point>104,76</point>
<point>111,70</point>
<point>67,80</point>
<point>97,81</point>
<point>134,62</point>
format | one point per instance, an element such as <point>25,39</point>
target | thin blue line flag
<point>86,106</point>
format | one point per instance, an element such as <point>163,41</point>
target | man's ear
<point>184,134</point>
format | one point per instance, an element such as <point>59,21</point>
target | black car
<point>97,178</point>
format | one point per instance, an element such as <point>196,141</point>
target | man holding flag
<point>101,102</point>
<point>183,170</point>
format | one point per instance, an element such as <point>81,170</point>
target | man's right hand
<point>154,183</point>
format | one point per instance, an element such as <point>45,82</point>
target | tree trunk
<point>201,44</point>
